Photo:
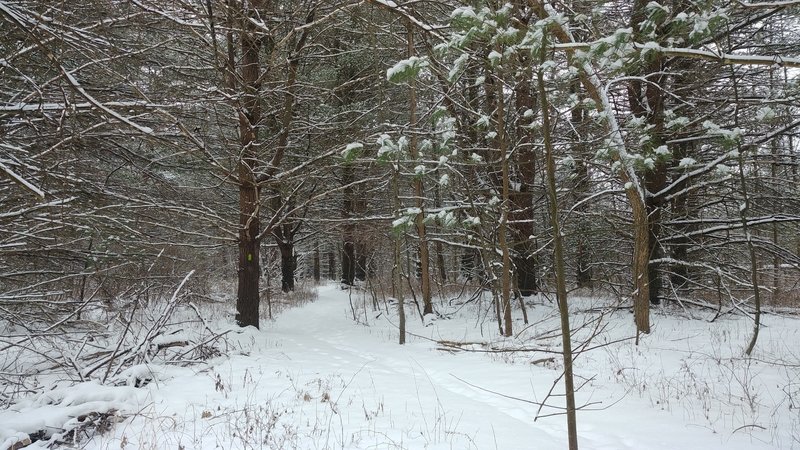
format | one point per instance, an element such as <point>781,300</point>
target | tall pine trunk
<point>647,101</point>
<point>287,266</point>
<point>247,297</point>
<point>419,190</point>
<point>521,220</point>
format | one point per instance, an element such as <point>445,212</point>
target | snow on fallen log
<point>52,415</point>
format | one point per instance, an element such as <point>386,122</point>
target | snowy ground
<point>316,379</point>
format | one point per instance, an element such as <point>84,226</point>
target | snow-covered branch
<point>691,53</point>
<point>779,4</point>
<point>20,180</point>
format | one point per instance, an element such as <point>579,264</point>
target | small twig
<point>510,397</point>
<point>753,425</point>
<point>119,344</point>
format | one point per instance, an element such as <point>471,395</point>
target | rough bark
<point>284,237</point>
<point>287,266</point>
<point>647,100</point>
<point>521,223</point>
<point>247,298</point>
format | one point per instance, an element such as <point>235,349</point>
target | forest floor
<point>329,374</point>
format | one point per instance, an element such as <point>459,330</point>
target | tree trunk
<point>583,277</point>
<point>505,276</point>
<point>247,297</point>
<point>440,262</point>
<point>349,262</point>
<point>287,265</point>
<point>521,224</point>
<point>640,264</point>
<point>751,248</point>
<point>558,256</point>
<point>634,189</point>
<point>331,266</point>
<point>397,276</point>
<point>284,238</point>
<point>581,188</point>
<point>744,211</point>
<point>349,231</point>
<point>647,100</point>
<point>317,270</point>
<point>361,270</point>
<point>654,250</point>
<point>681,211</point>
<point>526,273</point>
<point>419,190</point>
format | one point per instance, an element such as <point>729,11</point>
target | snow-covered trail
<point>314,379</point>
<point>422,398</point>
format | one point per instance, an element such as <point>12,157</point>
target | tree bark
<point>581,188</point>
<point>744,210</point>
<point>754,278</point>
<point>349,262</point>
<point>397,275</point>
<point>247,298</point>
<point>362,262</point>
<point>558,256</point>
<point>419,190</point>
<point>331,266</point>
<point>640,265</point>
<point>521,224</point>
<point>505,276</point>
<point>287,266</point>
<point>681,207</point>
<point>317,271</point>
<point>349,229</point>
<point>440,260</point>
<point>647,101</point>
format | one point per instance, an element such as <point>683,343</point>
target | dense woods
<point>411,149</point>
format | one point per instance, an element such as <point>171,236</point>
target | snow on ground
<point>316,379</point>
